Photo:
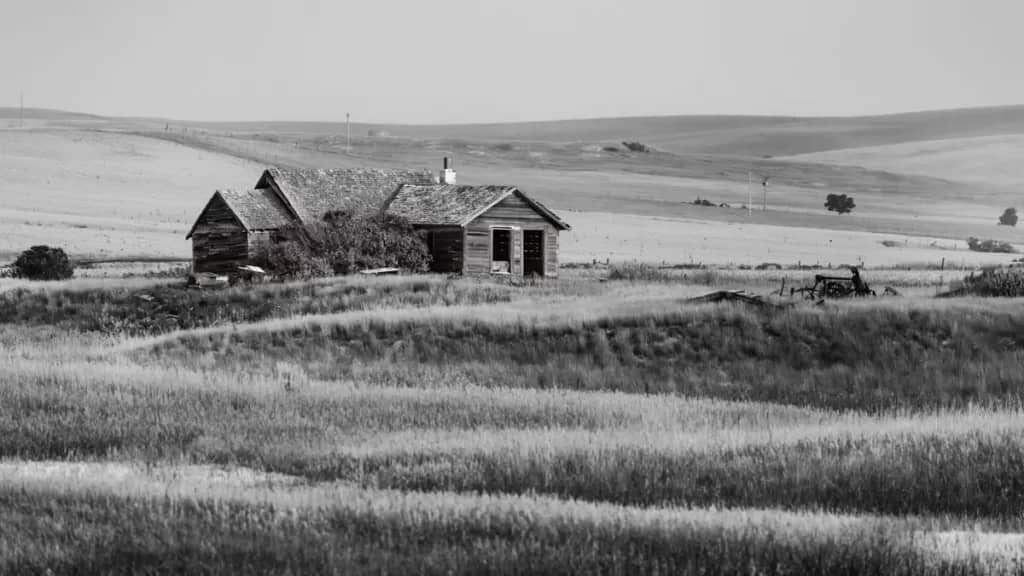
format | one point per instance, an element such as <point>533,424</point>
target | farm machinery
<point>835,287</point>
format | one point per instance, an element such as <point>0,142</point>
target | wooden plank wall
<point>219,243</point>
<point>512,211</point>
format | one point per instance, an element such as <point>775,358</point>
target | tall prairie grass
<point>424,425</point>
<point>594,446</point>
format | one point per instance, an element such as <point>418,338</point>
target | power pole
<point>348,134</point>
<point>764,202</point>
<point>21,110</point>
<point>750,191</point>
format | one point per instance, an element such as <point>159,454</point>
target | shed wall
<point>219,242</point>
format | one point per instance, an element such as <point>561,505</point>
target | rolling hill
<point>130,185</point>
<point>730,135</point>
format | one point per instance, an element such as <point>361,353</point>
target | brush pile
<point>999,282</point>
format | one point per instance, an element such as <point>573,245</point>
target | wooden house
<point>236,226</point>
<point>470,229</point>
<point>481,229</point>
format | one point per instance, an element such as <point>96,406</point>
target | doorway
<point>533,252</point>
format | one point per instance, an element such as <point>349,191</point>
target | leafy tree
<point>344,244</point>
<point>1009,217</point>
<point>840,203</point>
<point>43,263</point>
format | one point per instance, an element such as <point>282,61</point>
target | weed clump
<point>637,272</point>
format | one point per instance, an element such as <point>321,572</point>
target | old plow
<point>825,287</point>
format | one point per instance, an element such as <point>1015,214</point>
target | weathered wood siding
<point>510,212</point>
<point>446,249</point>
<point>219,242</point>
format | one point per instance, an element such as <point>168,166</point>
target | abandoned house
<point>469,229</point>
<point>236,226</point>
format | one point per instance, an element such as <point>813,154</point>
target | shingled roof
<point>311,193</point>
<point>258,209</point>
<point>451,205</point>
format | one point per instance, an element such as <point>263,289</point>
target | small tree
<point>1009,217</point>
<point>43,263</point>
<point>840,203</point>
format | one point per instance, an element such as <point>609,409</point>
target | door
<point>533,252</point>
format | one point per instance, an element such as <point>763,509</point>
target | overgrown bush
<point>703,202</point>
<point>43,263</point>
<point>1009,217</point>
<point>344,244</point>
<point>978,245</point>
<point>840,203</point>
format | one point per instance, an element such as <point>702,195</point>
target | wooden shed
<point>234,229</point>
<point>236,226</point>
<point>482,229</point>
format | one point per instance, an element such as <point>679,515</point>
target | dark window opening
<point>501,251</point>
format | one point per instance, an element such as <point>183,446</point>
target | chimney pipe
<point>448,172</point>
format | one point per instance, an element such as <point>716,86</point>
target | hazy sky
<point>425,61</point>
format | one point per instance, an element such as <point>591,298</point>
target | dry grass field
<point>431,425</point>
<point>600,423</point>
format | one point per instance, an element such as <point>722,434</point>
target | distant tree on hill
<point>1009,217</point>
<point>840,203</point>
<point>43,263</point>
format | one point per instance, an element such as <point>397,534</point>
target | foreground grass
<point>429,426</point>
<point>113,519</point>
<point>593,446</point>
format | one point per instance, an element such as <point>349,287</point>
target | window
<point>501,251</point>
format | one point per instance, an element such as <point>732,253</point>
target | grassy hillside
<point>729,135</point>
<point>988,159</point>
<point>103,194</point>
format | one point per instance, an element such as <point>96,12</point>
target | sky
<point>458,61</point>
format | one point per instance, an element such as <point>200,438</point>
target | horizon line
<point>521,122</point>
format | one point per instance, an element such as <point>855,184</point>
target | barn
<point>236,226</point>
<point>481,229</point>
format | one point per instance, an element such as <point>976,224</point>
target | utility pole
<point>764,202</point>
<point>750,191</point>
<point>21,110</point>
<point>348,134</point>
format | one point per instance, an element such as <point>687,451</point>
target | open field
<point>425,424</point>
<point>431,425</point>
<point>102,194</point>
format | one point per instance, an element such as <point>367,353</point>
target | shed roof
<point>451,205</point>
<point>311,193</point>
<point>258,209</point>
